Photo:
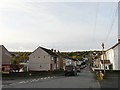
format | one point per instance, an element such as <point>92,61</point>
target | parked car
<point>70,70</point>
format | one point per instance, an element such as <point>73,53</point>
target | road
<point>84,79</point>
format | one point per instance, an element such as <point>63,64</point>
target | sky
<point>65,26</point>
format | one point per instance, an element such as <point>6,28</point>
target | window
<point>55,60</point>
<point>40,66</point>
<point>44,56</point>
<point>38,57</point>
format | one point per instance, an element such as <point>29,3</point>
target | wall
<point>39,61</point>
<point>117,56</point>
<point>6,56</point>
<point>0,58</point>
<point>114,56</point>
<point>110,56</point>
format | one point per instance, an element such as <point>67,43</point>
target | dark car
<point>78,69</point>
<point>70,70</point>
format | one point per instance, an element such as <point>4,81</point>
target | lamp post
<point>103,56</point>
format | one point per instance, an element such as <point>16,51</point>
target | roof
<point>114,46</point>
<point>46,50</point>
<point>49,51</point>
<point>106,61</point>
<point>5,49</point>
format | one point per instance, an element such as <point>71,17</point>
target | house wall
<point>39,61</point>
<point>61,63</point>
<point>55,65</point>
<point>0,58</point>
<point>6,56</point>
<point>110,56</point>
<point>116,57</point>
<point>70,62</point>
<point>119,56</point>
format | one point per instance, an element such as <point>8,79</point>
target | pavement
<point>111,79</point>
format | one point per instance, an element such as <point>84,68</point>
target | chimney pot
<point>52,50</point>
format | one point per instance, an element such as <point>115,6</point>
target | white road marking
<point>41,78</point>
<point>33,80</point>
<point>48,77</point>
<point>22,82</point>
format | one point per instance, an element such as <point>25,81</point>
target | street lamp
<point>103,46</point>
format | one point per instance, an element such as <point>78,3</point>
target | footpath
<point>111,80</point>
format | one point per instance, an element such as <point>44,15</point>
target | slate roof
<point>49,51</point>
<point>114,46</point>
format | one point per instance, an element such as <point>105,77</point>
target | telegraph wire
<point>95,23</point>
<point>111,26</point>
<point>96,18</point>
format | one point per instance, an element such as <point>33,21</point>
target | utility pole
<point>103,56</point>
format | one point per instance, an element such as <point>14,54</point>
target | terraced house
<point>112,57</point>
<point>113,54</point>
<point>43,59</point>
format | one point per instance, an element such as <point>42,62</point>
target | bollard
<point>99,75</point>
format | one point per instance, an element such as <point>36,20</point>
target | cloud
<point>64,26</point>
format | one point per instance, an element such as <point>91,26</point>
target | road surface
<point>84,79</point>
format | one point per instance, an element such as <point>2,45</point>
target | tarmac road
<point>84,79</point>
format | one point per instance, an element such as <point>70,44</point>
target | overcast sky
<point>65,26</point>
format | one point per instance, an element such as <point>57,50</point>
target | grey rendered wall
<point>0,54</point>
<point>6,57</point>
<point>39,61</point>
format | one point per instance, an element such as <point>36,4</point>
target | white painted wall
<point>110,56</point>
<point>114,56</point>
<point>119,56</point>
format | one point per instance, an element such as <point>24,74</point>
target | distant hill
<point>81,54</point>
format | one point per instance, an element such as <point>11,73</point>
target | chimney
<point>52,50</point>
<point>58,51</point>
<point>118,38</point>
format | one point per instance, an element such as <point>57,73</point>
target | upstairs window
<point>55,60</point>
